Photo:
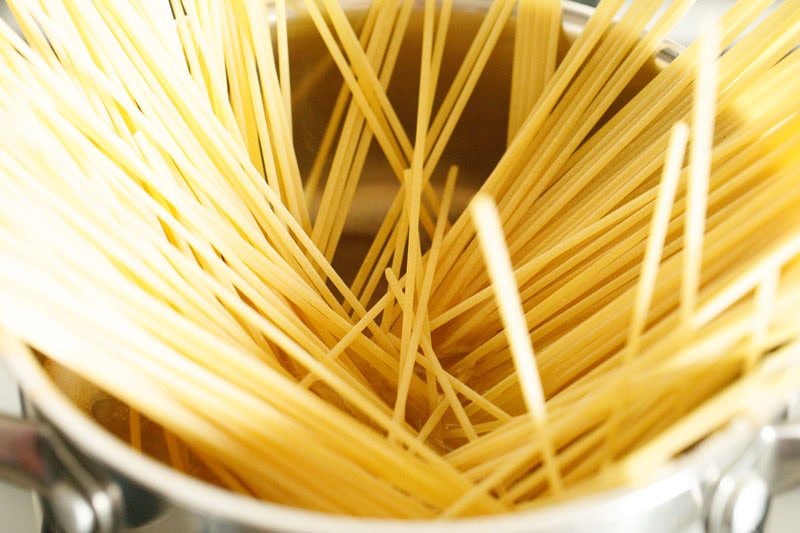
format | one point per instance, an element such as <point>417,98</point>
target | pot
<point>89,481</point>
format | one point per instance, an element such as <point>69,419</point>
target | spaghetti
<point>181,181</point>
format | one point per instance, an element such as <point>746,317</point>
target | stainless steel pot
<point>89,481</point>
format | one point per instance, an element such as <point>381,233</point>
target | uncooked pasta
<point>403,259</point>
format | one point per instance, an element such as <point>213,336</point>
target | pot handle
<point>33,456</point>
<point>770,466</point>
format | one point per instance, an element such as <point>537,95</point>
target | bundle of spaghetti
<point>625,282</point>
<point>200,276</point>
<point>574,203</point>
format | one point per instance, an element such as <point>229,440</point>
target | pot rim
<point>679,478</point>
<point>101,446</point>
